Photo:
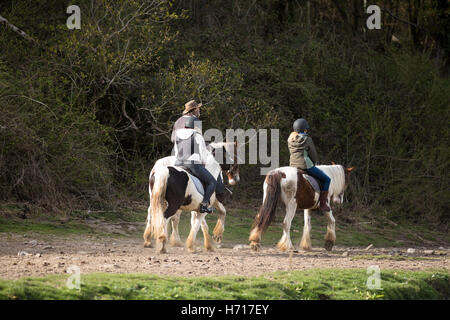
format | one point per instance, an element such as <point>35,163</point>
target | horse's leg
<point>206,237</point>
<point>195,225</point>
<point>175,240</point>
<point>330,236</point>
<point>256,232</point>
<point>148,232</point>
<point>305,243</point>
<point>163,239</point>
<point>285,242</point>
<point>220,225</point>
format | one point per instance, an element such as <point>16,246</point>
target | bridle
<point>235,161</point>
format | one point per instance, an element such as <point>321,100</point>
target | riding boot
<point>205,208</point>
<point>323,199</point>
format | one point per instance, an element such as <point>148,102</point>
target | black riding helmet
<point>300,125</point>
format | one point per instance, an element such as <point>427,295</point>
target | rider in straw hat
<point>191,109</point>
<point>191,153</point>
<point>304,156</point>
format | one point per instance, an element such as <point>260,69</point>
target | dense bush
<point>85,115</point>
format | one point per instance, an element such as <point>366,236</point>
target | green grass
<point>74,222</point>
<point>388,257</point>
<point>43,227</point>
<point>113,216</point>
<point>237,227</point>
<point>238,223</point>
<point>294,285</point>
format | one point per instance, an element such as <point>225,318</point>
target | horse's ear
<point>350,169</point>
<point>333,163</point>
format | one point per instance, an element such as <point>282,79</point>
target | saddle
<point>197,182</point>
<point>220,188</point>
<point>312,181</point>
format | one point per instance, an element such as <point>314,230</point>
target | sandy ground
<point>25,255</point>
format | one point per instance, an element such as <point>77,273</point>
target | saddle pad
<point>313,182</point>
<point>198,184</point>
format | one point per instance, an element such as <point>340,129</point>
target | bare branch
<point>124,111</point>
<point>18,31</point>
<point>404,21</point>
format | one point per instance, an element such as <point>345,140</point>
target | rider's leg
<point>325,184</point>
<point>210,183</point>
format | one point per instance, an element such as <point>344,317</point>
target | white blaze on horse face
<point>231,179</point>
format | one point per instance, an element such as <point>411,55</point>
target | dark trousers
<point>220,187</point>
<point>321,176</point>
<point>205,177</point>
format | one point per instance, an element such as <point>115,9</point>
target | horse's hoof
<point>148,245</point>
<point>284,247</point>
<point>211,249</point>
<point>176,244</point>
<point>306,248</point>
<point>255,246</point>
<point>190,250</point>
<point>217,239</point>
<point>329,245</point>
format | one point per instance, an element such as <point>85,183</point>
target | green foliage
<point>50,150</point>
<point>84,117</point>
<point>317,284</point>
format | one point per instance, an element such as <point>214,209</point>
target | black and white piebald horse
<point>173,190</point>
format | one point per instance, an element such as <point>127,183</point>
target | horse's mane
<point>337,175</point>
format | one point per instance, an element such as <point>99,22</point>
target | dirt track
<point>53,255</point>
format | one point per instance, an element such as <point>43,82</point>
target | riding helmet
<point>300,125</point>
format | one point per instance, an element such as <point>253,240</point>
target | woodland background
<point>84,114</point>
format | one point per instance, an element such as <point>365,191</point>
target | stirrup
<point>204,208</point>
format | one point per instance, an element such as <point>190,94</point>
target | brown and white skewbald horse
<point>289,185</point>
<point>172,192</point>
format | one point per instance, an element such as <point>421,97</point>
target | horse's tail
<point>266,213</point>
<point>158,203</point>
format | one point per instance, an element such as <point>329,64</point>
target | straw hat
<point>191,105</point>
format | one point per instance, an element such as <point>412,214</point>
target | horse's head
<point>233,174</point>
<point>232,156</point>
<point>229,161</point>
